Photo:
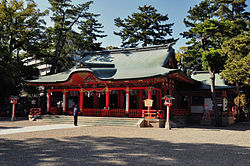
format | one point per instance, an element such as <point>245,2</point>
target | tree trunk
<point>215,107</point>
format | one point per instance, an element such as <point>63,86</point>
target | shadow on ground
<point>4,128</point>
<point>100,151</point>
<point>8,119</point>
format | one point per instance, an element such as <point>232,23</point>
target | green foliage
<point>21,27</point>
<point>64,36</point>
<point>237,68</point>
<point>147,27</point>
<point>188,59</point>
<point>89,32</point>
<point>21,34</point>
<point>213,59</point>
<point>208,36</point>
<point>211,24</point>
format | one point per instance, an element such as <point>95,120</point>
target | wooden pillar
<point>137,99</point>
<point>127,100</point>
<point>150,95</point>
<point>121,99</point>
<point>65,101</point>
<point>95,100</point>
<point>48,101</point>
<point>107,98</point>
<point>81,100</point>
<point>140,99</point>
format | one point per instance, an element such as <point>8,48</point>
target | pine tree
<point>147,27</point>
<point>89,33</point>
<point>75,30</point>
<point>65,16</point>
<point>237,68</point>
<point>211,25</point>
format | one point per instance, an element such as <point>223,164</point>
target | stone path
<point>36,128</point>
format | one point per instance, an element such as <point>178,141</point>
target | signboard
<point>148,102</point>
<point>225,104</point>
<point>208,104</point>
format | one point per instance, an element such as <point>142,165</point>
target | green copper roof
<point>120,64</point>
<point>59,77</point>
<point>204,78</point>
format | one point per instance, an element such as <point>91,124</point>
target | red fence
<point>153,114</point>
<point>93,112</point>
<point>117,112</point>
<point>135,113</point>
<point>35,111</point>
<point>55,111</point>
<point>99,112</point>
<point>103,112</point>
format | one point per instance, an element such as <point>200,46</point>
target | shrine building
<point>115,83</point>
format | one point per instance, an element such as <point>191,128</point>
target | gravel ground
<point>194,145</point>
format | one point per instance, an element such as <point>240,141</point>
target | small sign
<point>148,102</point>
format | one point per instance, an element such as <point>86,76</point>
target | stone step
<point>91,121</point>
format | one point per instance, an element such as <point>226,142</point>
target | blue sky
<point>111,9</point>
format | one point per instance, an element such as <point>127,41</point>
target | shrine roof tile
<point>204,78</point>
<point>120,65</point>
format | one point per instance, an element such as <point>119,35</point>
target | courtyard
<point>64,144</point>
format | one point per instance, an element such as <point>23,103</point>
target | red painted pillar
<point>107,98</point>
<point>81,100</point>
<point>127,100</point>
<point>95,100</point>
<point>48,100</point>
<point>64,102</point>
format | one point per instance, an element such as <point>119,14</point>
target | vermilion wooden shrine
<point>115,83</point>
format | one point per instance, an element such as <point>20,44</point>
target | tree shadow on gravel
<point>4,128</point>
<point>8,119</point>
<point>102,151</point>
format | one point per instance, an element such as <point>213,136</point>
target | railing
<point>70,111</point>
<point>55,111</point>
<point>35,111</point>
<point>117,112</point>
<point>153,114</point>
<point>180,112</point>
<point>135,113</point>
<point>93,112</point>
<point>132,113</point>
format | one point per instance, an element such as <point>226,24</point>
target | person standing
<point>76,110</point>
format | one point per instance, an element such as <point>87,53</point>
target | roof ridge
<point>137,49</point>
